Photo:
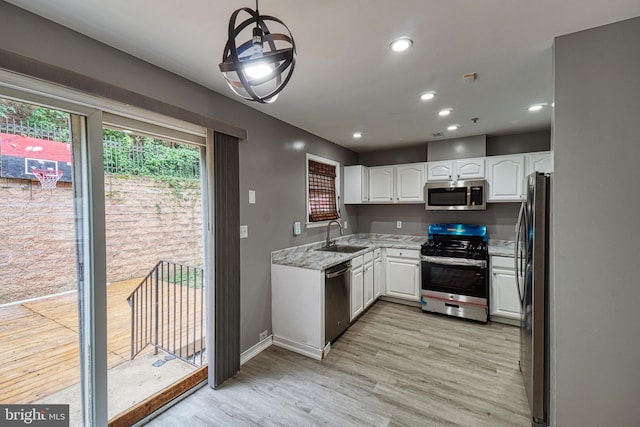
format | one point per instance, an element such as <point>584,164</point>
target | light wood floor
<point>397,366</point>
<point>39,353</point>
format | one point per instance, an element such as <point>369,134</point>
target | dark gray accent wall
<point>457,148</point>
<point>596,268</point>
<point>500,219</point>
<point>272,159</point>
<point>495,145</point>
<point>410,154</point>
<point>519,143</point>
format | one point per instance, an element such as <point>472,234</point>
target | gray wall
<point>595,227</point>
<point>500,219</point>
<point>268,162</point>
<point>409,154</point>
<point>496,145</point>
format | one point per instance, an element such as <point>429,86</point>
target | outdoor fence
<point>34,130</point>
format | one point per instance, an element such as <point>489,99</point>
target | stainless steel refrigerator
<point>532,280</point>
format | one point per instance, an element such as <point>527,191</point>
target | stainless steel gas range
<point>455,279</point>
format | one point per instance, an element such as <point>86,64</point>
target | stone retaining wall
<point>146,220</point>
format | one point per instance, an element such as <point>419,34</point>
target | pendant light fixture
<point>260,67</point>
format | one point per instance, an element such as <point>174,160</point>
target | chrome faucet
<point>329,242</point>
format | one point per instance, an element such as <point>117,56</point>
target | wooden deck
<point>39,351</point>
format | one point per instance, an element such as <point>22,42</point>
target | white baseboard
<point>305,350</point>
<point>256,349</point>
<point>400,301</point>
<point>505,320</point>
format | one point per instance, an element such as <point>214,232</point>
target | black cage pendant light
<point>260,67</point>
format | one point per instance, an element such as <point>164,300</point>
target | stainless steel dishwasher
<point>337,298</point>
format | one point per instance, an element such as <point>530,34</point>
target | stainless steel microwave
<point>456,195</point>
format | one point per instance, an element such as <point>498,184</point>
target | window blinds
<point>322,192</point>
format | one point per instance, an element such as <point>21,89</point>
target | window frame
<point>330,162</point>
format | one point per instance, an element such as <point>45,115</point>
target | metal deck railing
<point>167,312</point>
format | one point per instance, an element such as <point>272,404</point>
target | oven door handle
<point>454,261</point>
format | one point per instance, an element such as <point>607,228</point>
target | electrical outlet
<point>264,334</point>
<point>244,231</point>
<point>398,224</point>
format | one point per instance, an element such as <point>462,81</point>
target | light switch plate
<point>346,225</point>
<point>252,197</point>
<point>244,231</point>
<point>297,229</point>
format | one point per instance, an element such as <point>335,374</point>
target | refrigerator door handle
<point>517,259</point>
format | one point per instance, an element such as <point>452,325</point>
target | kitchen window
<point>323,195</point>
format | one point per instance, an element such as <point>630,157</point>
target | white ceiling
<point>346,78</point>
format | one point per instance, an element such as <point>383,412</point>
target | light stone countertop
<point>306,256</point>
<point>501,247</point>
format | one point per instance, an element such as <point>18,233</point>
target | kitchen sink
<point>342,249</point>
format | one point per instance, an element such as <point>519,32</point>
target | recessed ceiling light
<point>401,44</point>
<point>537,107</point>
<point>445,112</point>
<point>357,135</point>
<point>427,96</point>
<point>453,127</point>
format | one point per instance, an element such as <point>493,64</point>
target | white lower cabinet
<point>378,274</point>
<point>368,292</point>
<point>357,286</point>
<point>505,302</point>
<point>403,274</point>
<point>297,309</point>
<point>363,292</point>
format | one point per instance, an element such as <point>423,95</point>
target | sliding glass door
<point>46,239</point>
<point>103,291</point>
<point>155,259</point>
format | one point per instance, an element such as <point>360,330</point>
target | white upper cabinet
<point>381,184</point>
<point>469,168</point>
<point>440,171</point>
<point>446,170</point>
<point>539,162</point>
<point>356,184</point>
<point>410,180</point>
<point>404,183</point>
<point>505,177</point>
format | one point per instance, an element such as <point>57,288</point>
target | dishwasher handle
<point>331,274</point>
